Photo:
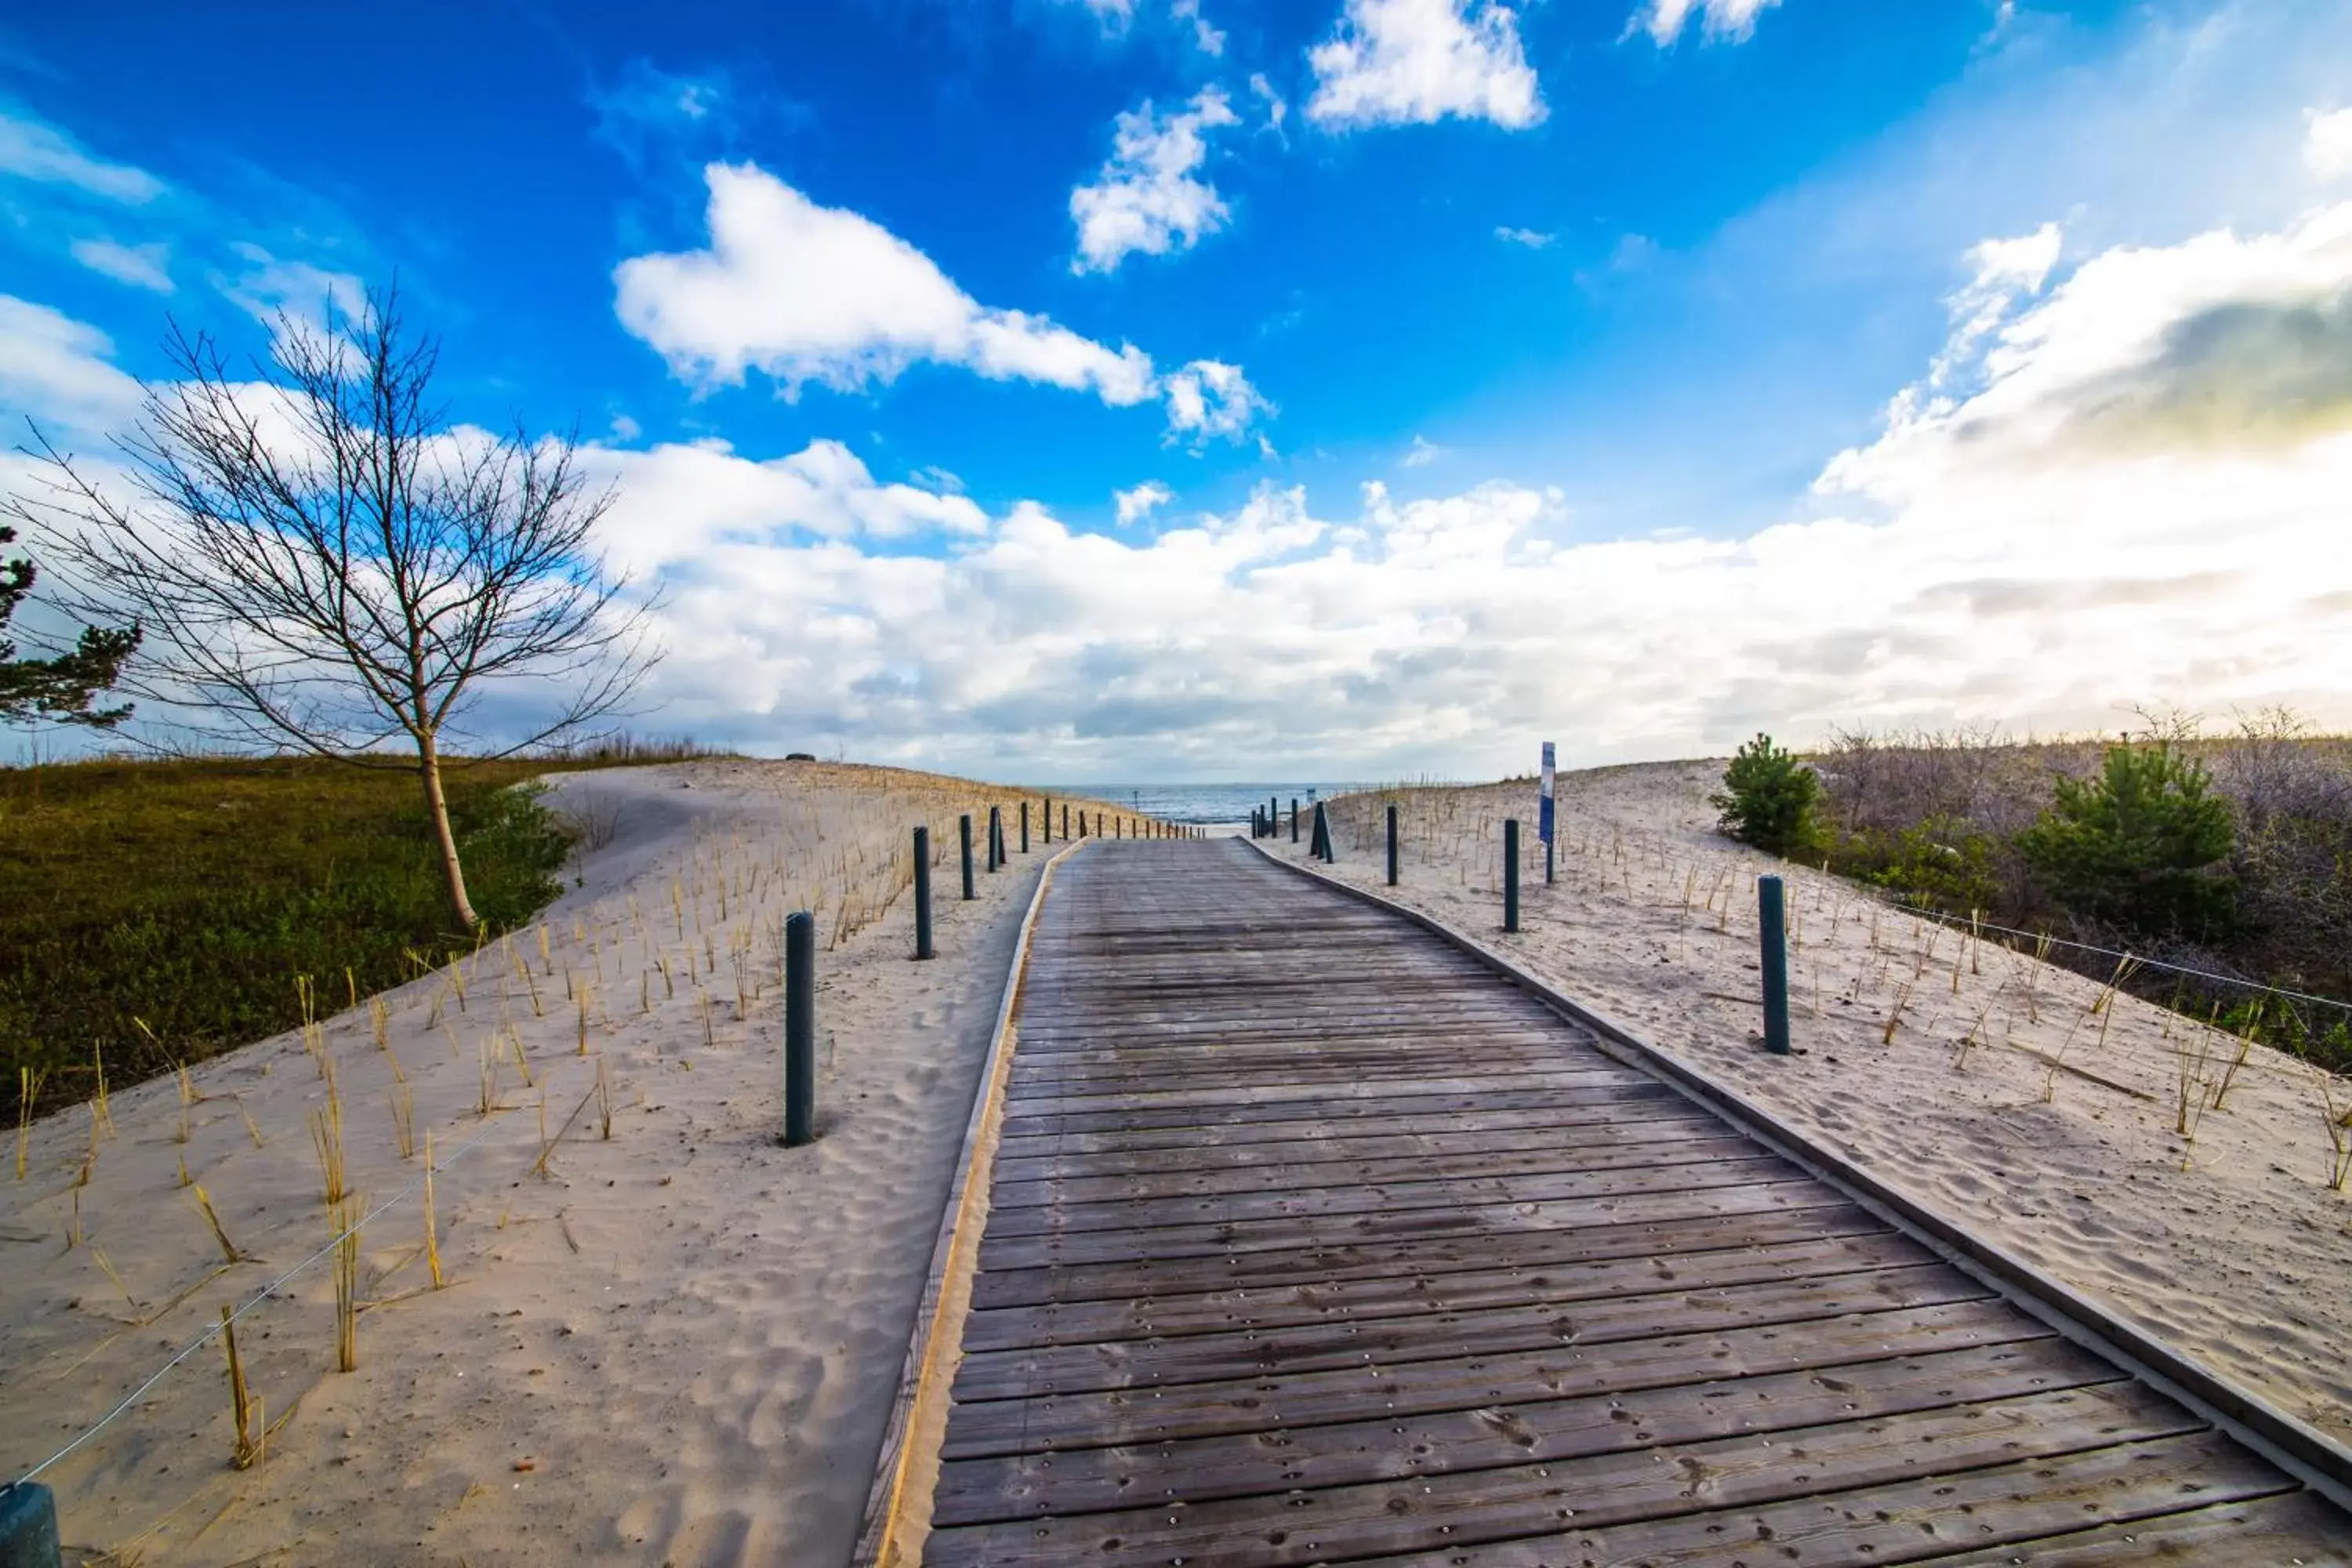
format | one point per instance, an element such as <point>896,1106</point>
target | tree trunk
<point>436,806</point>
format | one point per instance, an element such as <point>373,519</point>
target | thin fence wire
<point>2139,960</point>
<point>264,1294</point>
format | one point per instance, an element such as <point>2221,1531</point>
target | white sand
<point>2230,1246</point>
<point>676,1346</point>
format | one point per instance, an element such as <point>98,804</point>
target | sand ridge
<point>2227,1244</point>
<point>678,1345</point>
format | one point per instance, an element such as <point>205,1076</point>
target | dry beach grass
<point>2187,1178</point>
<point>595,1311</point>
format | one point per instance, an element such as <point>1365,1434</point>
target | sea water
<point>1210,804</point>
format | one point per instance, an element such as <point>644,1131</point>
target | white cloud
<point>1732,20</point>
<point>1148,197</point>
<point>801,293</point>
<point>31,150</point>
<point>1397,62</point>
<point>681,501</point>
<point>1140,502</point>
<point>1276,108</point>
<point>141,266</point>
<point>1211,401</point>
<point>2327,144</point>
<point>1209,40</point>
<point>1422,453</point>
<point>60,372</point>
<point>1534,240</point>
<point>2003,271</point>
<point>293,297</point>
<point>2220,346</point>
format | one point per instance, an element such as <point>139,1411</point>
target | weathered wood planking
<point>1311,1239</point>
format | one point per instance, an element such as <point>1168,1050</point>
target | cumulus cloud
<point>1209,40</point>
<point>1407,62</point>
<point>805,293</point>
<point>1534,240</point>
<point>2224,343</point>
<point>1422,453</point>
<point>31,149</point>
<point>1211,401</point>
<point>141,266</point>
<point>1141,501</point>
<point>1149,196</point>
<point>2034,543</point>
<point>1954,572</point>
<point>1727,20</point>
<point>60,372</point>
<point>2327,144</point>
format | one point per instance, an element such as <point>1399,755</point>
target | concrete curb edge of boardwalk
<point>923,1380</point>
<point>2299,1448</point>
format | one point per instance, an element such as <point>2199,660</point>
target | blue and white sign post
<point>1544,813</point>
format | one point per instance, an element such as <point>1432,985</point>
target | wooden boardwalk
<point>1312,1240</point>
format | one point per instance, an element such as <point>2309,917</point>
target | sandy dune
<point>2227,1244</point>
<point>678,1346</point>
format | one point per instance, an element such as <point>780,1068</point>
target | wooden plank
<point>2019,1504</point>
<point>1363,1138</point>
<point>1420,1258</point>
<point>1679,1143</point>
<point>1311,1399</point>
<point>1036,1370</point>
<point>1321,1299</point>
<point>2295,1528</point>
<point>1400,1200</point>
<point>1093,1480</point>
<point>1242,1121</point>
<point>1216,1238</point>
<point>1204,1096</point>
<point>1455,1512</point>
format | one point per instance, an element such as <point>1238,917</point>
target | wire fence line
<point>2138,960</point>
<point>266,1292</point>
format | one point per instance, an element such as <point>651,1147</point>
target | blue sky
<point>1597,292</point>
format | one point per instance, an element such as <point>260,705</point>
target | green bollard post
<point>800,1029</point>
<point>1510,873</point>
<point>923,893</point>
<point>28,1527</point>
<point>1772,922</point>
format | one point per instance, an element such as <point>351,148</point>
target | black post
<point>1272,816</point>
<point>1047,826</point>
<point>28,1527</point>
<point>1293,819</point>
<point>800,1029</point>
<point>1548,870</point>
<point>1321,846</point>
<point>1024,827</point>
<point>1392,846</point>
<point>922,892</point>
<point>995,839</point>
<point>966,826</point>
<point>1772,921</point>
<point>1065,822</point>
<point>1510,873</point>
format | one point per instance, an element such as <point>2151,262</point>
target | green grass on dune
<point>189,895</point>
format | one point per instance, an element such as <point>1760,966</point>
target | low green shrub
<point>2135,846</point>
<point>1767,800</point>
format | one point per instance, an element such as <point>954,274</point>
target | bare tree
<point>322,562</point>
